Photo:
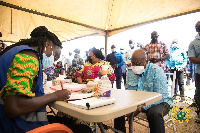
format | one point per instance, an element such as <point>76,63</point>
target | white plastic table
<point>127,102</point>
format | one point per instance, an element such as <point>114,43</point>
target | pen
<point>61,84</point>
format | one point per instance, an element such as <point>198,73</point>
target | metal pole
<point>106,42</point>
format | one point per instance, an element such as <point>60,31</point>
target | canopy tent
<point>70,19</point>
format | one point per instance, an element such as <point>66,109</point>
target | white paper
<point>74,95</point>
<point>93,102</point>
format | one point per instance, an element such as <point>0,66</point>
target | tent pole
<point>106,42</point>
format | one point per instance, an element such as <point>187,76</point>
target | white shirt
<point>128,55</point>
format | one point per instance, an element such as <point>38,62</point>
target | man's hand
<point>154,60</point>
<point>128,65</point>
<point>181,69</point>
<point>114,66</point>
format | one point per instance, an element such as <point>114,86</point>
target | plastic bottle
<point>104,88</point>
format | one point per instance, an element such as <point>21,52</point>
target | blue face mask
<point>47,61</point>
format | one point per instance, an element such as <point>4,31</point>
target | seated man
<point>145,76</point>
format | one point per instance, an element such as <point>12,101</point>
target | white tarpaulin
<point>70,19</point>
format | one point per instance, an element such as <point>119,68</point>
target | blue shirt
<point>194,51</point>
<point>152,80</point>
<point>178,58</point>
<point>119,58</point>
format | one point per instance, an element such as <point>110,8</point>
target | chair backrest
<point>171,83</point>
<point>51,128</point>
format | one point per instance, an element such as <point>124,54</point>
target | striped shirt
<point>157,50</point>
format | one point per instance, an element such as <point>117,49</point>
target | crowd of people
<point>142,68</point>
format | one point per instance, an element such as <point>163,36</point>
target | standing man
<point>177,62</point>
<point>157,52</point>
<point>194,57</point>
<point>128,54</point>
<point>123,66</point>
<point>116,61</point>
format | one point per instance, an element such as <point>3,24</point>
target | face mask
<point>131,45</point>
<point>174,45</point>
<point>121,52</point>
<point>47,61</point>
<point>154,38</point>
<point>198,28</point>
<point>89,59</point>
<point>113,50</point>
<point>138,69</point>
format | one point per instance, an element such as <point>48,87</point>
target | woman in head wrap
<point>93,67</point>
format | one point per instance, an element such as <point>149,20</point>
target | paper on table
<point>92,102</point>
<point>75,95</point>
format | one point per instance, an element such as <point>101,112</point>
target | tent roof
<point>70,19</point>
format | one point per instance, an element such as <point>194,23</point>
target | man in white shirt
<point>128,53</point>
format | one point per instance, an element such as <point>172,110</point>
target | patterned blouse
<point>92,71</point>
<point>157,50</point>
<point>21,76</point>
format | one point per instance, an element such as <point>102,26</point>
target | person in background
<point>116,61</point>
<point>70,74</point>
<point>103,51</point>
<point>93,67</point>
<point>140,45</point>
<point>194,57</point>
<point>128,53</point>
<point>78,57</point>
<point>68,61</point>
<point>124,67</point>
<point>190,73</point>
<point>146,76</point>
<point>157,52</point>
<point>177,62</point>
<point>22,99</point>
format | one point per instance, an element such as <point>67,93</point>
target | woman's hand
<point>62,95</point>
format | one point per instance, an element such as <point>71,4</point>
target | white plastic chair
<point>171,83</point>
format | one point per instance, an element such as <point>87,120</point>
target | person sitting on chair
<point>146,76</point>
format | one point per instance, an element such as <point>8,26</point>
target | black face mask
<point>198,28</point>
<point>154,38</point>
<point>89,59</point>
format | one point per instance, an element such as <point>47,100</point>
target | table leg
<point>101,127</point>
<point>131,123</point>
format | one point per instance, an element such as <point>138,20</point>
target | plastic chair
<point>171,82</point>
<point>51,128</point>
<point>167,118</point>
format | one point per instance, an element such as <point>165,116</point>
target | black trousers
<point>118,82</point>
<point>179,80</point>
<point>124,78</point>
<point>197,91</point>
<point>76,128</point>
<point>154,116</point>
